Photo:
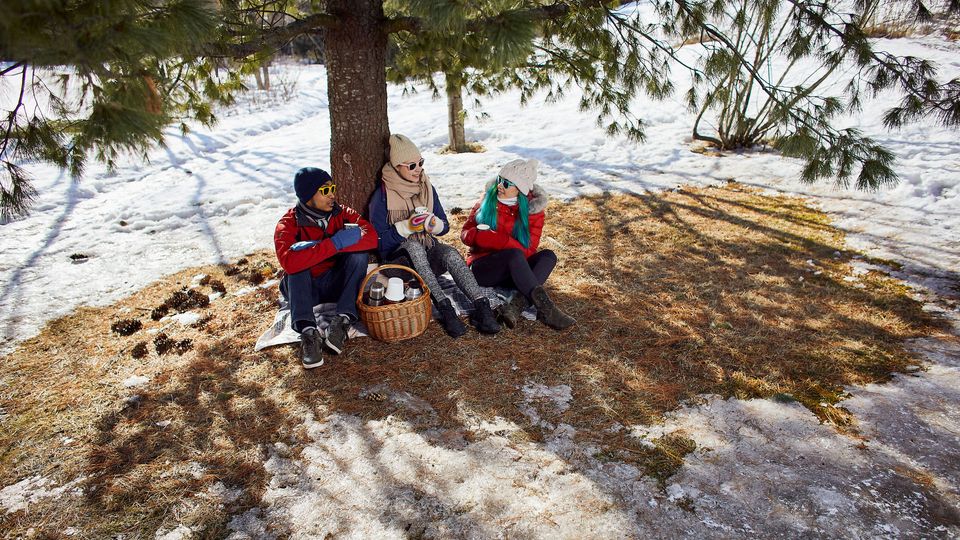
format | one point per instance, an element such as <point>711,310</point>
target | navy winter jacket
<point>390,239</point>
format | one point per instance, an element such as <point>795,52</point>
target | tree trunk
<point>455,114</point>
<point>256,75</point>
<point>266,75</point>
<point>356,51</point>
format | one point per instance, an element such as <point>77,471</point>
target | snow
<point>760,465</point>
<point>216,194</point>
<point>182,532</point>
<point>33,489</point>
<point>186,318</point>
<point>213,195</point>
<point>135,380</point>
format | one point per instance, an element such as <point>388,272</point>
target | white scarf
<point>512,201</point>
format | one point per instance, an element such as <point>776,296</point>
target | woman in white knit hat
<point>503,233</point>
<point>406,211</point>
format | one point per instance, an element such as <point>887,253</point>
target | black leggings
<point>509,268</point>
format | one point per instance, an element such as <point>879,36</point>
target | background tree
<point>761,90</point>
<point>613,54</point>
<point>131,72</point>
<point>469,44</point>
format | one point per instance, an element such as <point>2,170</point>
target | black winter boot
<point>337,333</point>
<point>483,318</point>
<point>548,313</point>
<point>311,348</point>
<point>511,313</point>
<point>449,319</point>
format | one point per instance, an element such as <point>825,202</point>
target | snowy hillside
<point>216,194</point>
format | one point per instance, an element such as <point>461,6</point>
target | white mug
<point>394,290</point>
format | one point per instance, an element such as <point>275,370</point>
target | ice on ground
<point>186,318</point>
<point>381,479</point>
<point>559,395</point>
<point>21,495</point>
<point>182,532</point>
<point>135,380</point>
<point>249,526</point>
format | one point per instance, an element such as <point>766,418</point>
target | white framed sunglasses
<point>413,165</point>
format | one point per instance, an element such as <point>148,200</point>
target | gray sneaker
<point>311,349</point>
<point>337,333</point>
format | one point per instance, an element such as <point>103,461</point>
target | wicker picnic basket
<point>395,322</point>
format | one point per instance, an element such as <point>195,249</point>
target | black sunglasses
<point>413,166</point>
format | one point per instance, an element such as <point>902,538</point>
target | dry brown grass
<point>891,30</point>
<point>473,147</point>
<point>676,294</point>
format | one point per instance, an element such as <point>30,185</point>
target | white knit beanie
<point>402,150</point>
<point>522,172</point>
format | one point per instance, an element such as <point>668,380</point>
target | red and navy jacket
<point>295,227</point>
<point>490,241</point>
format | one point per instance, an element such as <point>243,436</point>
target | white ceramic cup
<point>394,290</point>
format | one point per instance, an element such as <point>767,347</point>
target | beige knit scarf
<point>404,196</point>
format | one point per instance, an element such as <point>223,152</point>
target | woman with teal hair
<point>503,233</point>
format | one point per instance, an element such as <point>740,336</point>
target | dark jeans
<point>341,284</point>
<point>509,268</point>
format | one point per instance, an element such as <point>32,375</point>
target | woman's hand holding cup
<point>434,225</point>
<point>418,222</point>
<point>419,218</point>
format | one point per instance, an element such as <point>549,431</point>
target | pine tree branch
<point>403,24</point>
<point>415,24</point>
<point>11,68</point>
<point>13,113</point>
<point>886,60</point>
<point>272,39</point>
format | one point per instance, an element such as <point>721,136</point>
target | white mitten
<point>403,228</point>
<point>434,225</point>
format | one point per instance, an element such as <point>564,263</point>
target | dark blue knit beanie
<point>307,181</point>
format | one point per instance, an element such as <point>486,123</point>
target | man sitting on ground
<point>321,245</point>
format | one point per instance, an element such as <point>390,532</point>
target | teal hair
<point>487,214</point>
<point>521,228</point>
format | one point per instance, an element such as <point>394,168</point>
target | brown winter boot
<point>511,313</point>
<point>548,313</point>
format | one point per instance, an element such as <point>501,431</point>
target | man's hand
<point>345,238</point>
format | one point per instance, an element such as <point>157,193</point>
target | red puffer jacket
<point>295,227</point>
<point>486,242</point>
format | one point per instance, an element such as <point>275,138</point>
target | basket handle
<point>363,286</point>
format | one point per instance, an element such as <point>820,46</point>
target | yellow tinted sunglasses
<point>327,190</point>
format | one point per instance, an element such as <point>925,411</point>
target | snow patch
<point>182,532</point>
<point>135,380</point>
<point>34,489</point>
<point>186,318</point>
